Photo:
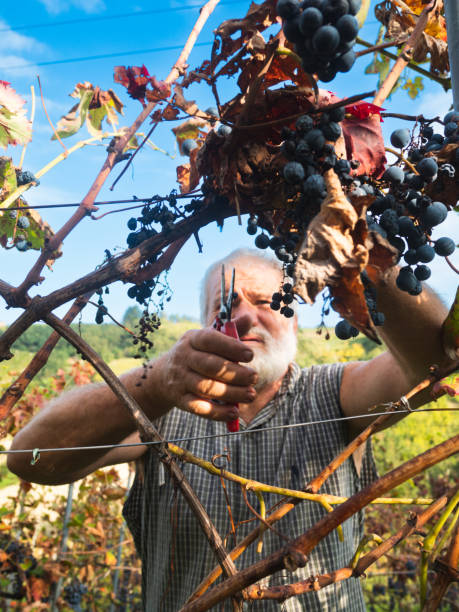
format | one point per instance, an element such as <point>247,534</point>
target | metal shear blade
<point>226,303</point>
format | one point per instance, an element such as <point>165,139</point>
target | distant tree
<point>131,316</point>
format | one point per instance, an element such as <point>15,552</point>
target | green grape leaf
<point>8,181</point>
<point>104,105</point>
<point>69,124</point>
<point>451,330</point>
<point>15,128</point>
<point>414,87</point>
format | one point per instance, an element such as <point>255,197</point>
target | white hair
<point>232,258</point>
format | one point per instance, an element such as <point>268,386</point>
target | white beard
<point>271,360</point>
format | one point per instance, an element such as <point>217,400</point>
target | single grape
<point>425,253</point>
<point>23,222</point>
<point>290,270</point>
<point>389,221</point>
<point>22,245</point>
<point>444,246</point>
<point>287,298</point>
<point>427,167</point>
<point>326,74</point>
<point>275,305</point>
<point>277,297</point>
<point>188,145</point>
<point>414,180</point>
<point>406,280</point>
<point>224,130</point>
<point>427,131</point>
<point>343,330</point>
<point>334,9</point>
<point>310,20</point>
<point>400,138</point>
<point>354,6</point>
<point>417,289</point>
<point>331,131</point>
<point>288,8</point>
<point>325,40</point>
<point>213,111</point>
<point>304,123</point>
<point>288,312</point>
<point>378,318</point>
<point>398,243</point>
<point>262,241</point>
<point>406,225</point>
<point>342,165</point>
<point>348,27</point>
<point>293,172</point>
<point>450,128</point>
<point>275,242</point>
<point>434,214</point>
<point>315,140</point>
<point>287,287</point>
<point>314,185</point>
<point>411,257</point>
<point>132,224</point>
<point>422,272</point>
<point>451,116</point>
<point>394,174</point>
<point>252,228</point>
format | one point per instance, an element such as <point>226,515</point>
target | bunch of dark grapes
<point>310,152</point>
<point>148,323</point>
<point>73,594</point>
<point>102,309</point>
<point>282,300</point>
<point>323,32</point>
<point>405,215</point>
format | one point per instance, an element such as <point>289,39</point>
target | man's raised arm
<point>413,333</point>
<point>201,367</point>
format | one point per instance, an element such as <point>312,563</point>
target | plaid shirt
<point>174,552</point>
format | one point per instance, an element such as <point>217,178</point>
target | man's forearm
<point>413,327</point>
<point>85,416</point>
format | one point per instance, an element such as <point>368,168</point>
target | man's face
<point>272,337</point>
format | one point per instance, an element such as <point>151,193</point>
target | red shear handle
<point>230,329</point>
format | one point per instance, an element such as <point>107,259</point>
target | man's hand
<point>203,368</point>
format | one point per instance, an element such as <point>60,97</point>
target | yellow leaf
<point>110,558</point>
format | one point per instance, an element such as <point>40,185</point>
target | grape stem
<point>374,48</point>
<point>401,158</point>
<point>451,265</point>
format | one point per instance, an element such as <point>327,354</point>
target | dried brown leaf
<point>336,249</point>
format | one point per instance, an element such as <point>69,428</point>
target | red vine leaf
<point>183,177</point>
<point>135,79</point>
<point>365,144</point>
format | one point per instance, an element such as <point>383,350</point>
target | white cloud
<point>16,53</point>
<point>59,6</point>
<point>435,104</point>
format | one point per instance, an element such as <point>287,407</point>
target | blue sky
<point>33,34</point>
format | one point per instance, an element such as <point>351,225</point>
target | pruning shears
<point>224,324</point>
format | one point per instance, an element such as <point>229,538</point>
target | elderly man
<point>204,375</point>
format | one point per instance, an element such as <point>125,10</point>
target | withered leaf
<point>189,106</point>
<point>431,44</point>
<point>335,250</point>
<point>328,245</point>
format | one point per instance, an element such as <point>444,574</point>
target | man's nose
<point>244,309</point>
